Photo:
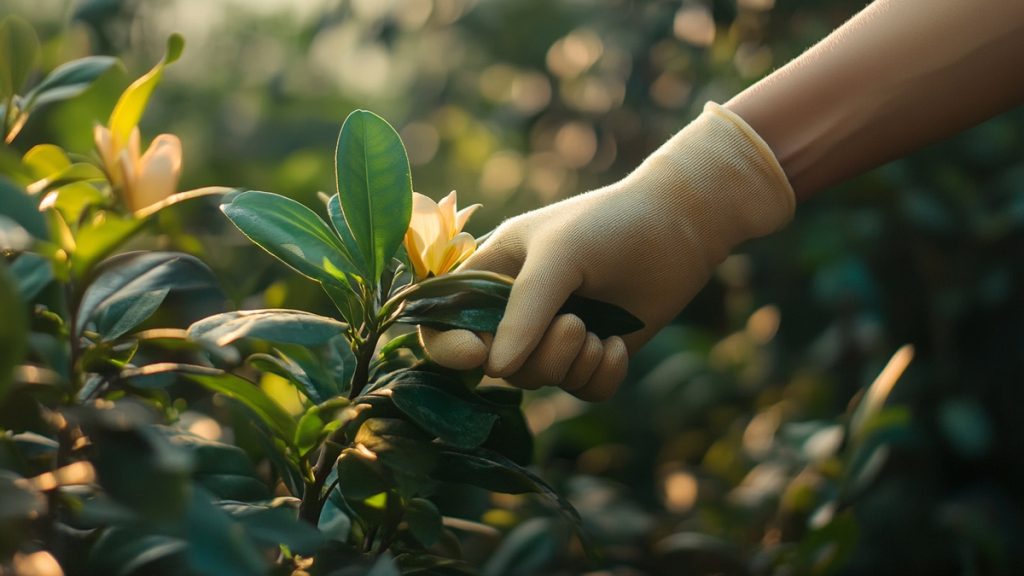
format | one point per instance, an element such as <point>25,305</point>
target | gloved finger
<point>585,364</point>
<point>609,374</point>
<point>456,349</point>
<point>501,253</point>
<point>541,288</point>
<point>554,355</point>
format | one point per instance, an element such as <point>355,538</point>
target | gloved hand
<point>647,243</point>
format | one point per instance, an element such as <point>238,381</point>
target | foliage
<point>738,445</point>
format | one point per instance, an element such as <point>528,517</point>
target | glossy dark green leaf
<point>358,477</point>
<point>399,445</point>
<point>272,527</point>
<point>492,471</point>
<point>292,233</point>
<point>33,273</point>
<point>337,217</point>
<point>18,501</point>
<point>375,187</point>
<point>525,551</point>
<point>476,301</point>
<point>13,238</point>
<point>254,398</point>
<point>424,521</point>
<point>450,418</point>
<point>274,325</point>
<point>127,278</point>
<point>314,387</point>
<point>125,552</point>
<point>138,467</point>
<point>424,564</point>
<point>123,314</point>
<point>13,328</point>
<point>217,544</point>
<point>510,435</point>
<point>23,209</point>
<point>19,50</point>
<point>69,80</point>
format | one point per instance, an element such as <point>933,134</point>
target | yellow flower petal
<point>447,208</point>
<point>458,249</point>
<point>158,172</point>
<point>463,216</point>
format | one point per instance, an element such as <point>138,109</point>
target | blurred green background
<point>726,452</point>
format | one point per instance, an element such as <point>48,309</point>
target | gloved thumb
<point>456,349</point>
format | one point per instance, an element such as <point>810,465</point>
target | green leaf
<point>254,398</point>
<point>317,422</point>
<point>492,471</point>
<point>511,435</point>
<point>217,543</point>
<point>476,300</point>
<point>357,477</point>
<point>136,464</point>
<point>123,280</point>
<point>274,325</point>
<point>292,233</point>
<point>343,231</point>
<point>13,328</point>
<point>45,160</point>
<point>13,238</point>
<point>450,418</point>
<point>18,501</point>
<point>375,187</point>
<point>132,103</point>
<point>399,445</point>
<point>19,50</point>
<point>33,273</point>
<point>124,551</point>
<point>272,527</point>
<point>424,521</point>
<point>23,209</point>
<point>525,551</point>
<point>123,314</point>
<point>69,80</point>
<point>98,237</point>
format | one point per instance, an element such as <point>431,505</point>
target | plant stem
<point>312,501</point>
<point>361,376</point>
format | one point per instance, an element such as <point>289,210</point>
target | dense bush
<point>781,426</point>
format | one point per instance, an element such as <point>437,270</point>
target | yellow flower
<point>435,241</point>
<point>142,179</point>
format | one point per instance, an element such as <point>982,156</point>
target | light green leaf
<point>274,325</point>
<point>375,187</point>
<point>252,397</point>
<point>19,50</point>
<point>68,80</point>
<point>45,160</point>
<point>98,237</point>
<point>129,108</point>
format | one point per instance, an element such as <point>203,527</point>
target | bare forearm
<point>899,75</point>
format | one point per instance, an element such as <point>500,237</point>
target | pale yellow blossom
<point>435,241</point>
<point>141,179</point>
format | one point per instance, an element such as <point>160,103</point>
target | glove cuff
<point>718,171</point>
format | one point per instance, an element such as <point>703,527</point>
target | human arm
<point>897,76</point>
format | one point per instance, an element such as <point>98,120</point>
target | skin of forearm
<point>897,76</point>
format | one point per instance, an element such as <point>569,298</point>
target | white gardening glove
<point>647,243</point>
